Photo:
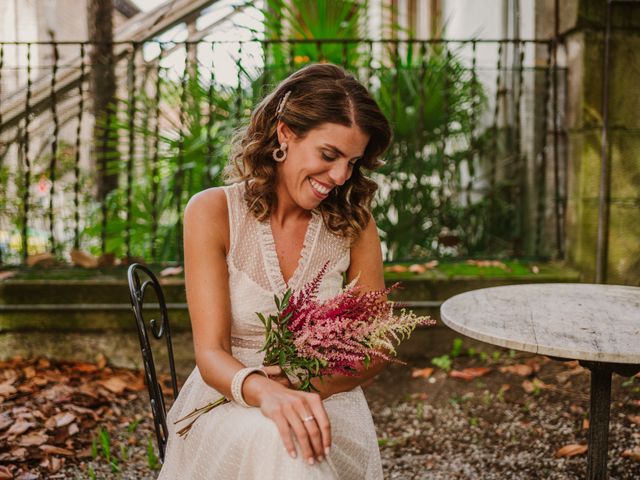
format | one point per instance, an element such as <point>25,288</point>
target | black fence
<point>477,167</point>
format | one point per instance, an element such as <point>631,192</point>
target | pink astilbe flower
<point>346,331</point>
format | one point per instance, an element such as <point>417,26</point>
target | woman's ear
<point>285,135</point>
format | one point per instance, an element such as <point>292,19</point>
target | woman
<point>296,198</point>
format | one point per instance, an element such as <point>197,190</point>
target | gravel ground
<point>447,428</point>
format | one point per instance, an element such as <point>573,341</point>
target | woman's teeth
<point>319,188</point>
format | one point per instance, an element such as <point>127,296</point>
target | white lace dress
<point>234,442</point>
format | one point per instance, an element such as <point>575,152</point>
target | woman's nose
<point>340,172</point>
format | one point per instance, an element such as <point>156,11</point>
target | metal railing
<point>478,153</point>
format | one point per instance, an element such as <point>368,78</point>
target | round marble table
<point>596,324</point>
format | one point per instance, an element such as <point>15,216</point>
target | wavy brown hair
<point>320,93</point>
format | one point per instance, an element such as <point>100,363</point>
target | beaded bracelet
<point>238,380</point>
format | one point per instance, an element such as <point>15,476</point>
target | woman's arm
<point>366,259</point>
<point>206,240</point>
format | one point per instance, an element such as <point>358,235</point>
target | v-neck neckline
<point>270,254</point>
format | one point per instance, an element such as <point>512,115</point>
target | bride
<point>296,197</point>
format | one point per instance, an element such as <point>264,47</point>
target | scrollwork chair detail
<point>158,330</point>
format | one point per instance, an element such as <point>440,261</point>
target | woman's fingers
<point>272,370</point>
<point>304,439</point>
<point>321,419</point>
<point>315,434</point>
<point>285,432</point>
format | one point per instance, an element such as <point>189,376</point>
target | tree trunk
<point>103,90</point>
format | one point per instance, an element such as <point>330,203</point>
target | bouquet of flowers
<point>308,338</point>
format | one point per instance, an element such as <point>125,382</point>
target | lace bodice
<point>254,270</point>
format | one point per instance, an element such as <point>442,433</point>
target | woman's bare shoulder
<point>206,215</point>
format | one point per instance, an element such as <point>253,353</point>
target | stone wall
<point>582,27</point>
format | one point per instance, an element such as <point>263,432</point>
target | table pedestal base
<point>599,408</point>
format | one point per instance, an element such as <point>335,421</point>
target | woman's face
<point>321,161</point>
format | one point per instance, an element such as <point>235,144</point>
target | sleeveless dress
<point>235,442</point>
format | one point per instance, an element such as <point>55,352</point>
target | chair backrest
<point>158,330</point>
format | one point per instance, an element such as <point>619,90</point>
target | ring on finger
<point>308,419</point>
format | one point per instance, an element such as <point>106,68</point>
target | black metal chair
<point>137,291</point>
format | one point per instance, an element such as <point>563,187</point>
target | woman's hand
<point>287,408</point>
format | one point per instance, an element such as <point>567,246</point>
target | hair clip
<point>282,103</point>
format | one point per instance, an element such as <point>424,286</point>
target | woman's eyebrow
<point>337,150</point>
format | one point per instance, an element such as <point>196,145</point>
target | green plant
<point>322,19</point>
<point>94,448</point>
<point>152,458</point>
<point>443,362</point>
<point>456,348</point>
<point>188,155</point>
<point>432,100</point>
<point>134,425</point>
<point>92,473</point>
<point>105,443</point>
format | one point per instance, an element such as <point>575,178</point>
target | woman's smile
<point>318,189</point>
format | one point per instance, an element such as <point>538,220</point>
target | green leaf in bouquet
<point>286,298</point>
<point>286,318</point>
<point>367,360</point>
<point>277,300</point>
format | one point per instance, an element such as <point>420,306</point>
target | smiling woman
<point>342,122</point>
<point>296,201</point>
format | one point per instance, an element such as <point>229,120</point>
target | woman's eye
<point>328,158</point>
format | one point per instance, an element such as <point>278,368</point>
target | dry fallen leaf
<point>52,449</point>
<point>531,386</point>
<point>5,420</point>
<point>421,372</point>
<point>73,429</point>
<point>396,268</point>
<point>634,418</point>
<point>18,453</point>
<point>7,274</point>
<point>83,259</point>
<point>571,450</point>
<point>52,464</point>
<point>60,420</point>
<point>113,384</point>
<point>585,424</point>
<point>42,260</point>
<point>7,389</point>
<point>27,476</point>
<point>417,268</point>
<point>34,438</point>
<point>101,360</point>
<point>419,396</point>
<point>469,374</point>
<point>20,426</point>
<point>5,473</point>
<point>431,264</point>
<point>170,271</point>
<point>518,369</point>
<point>633,454</point>
<point>85,367</point>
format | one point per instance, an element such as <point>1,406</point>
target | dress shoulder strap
<point>235,204</point>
